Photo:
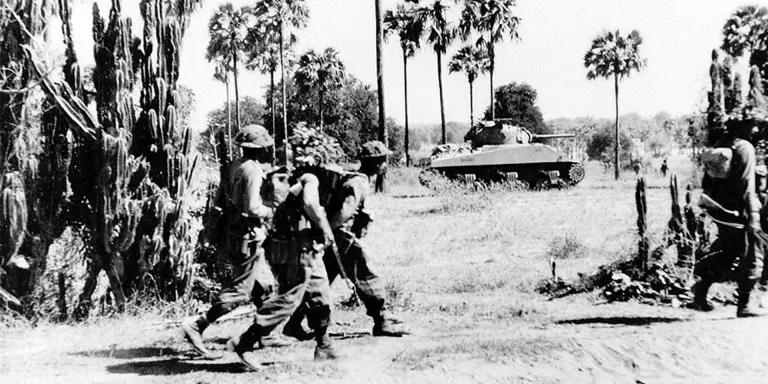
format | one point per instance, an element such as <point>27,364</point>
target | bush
<point>567,246</point>
<point>601,147</point>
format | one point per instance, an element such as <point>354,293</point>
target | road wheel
<point>576,173</point>
<point>541,185</point>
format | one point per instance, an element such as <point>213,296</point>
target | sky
<point>678,36</point>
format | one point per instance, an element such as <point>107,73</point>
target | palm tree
<point>472,61</point>
<point>221,73</point>
<point>284,16</point>
<point>440,34</point>
<point>228,28</point>
<point>320,73</point>
<point>403,22</point>
<point>613,55</point>
<point>494,20</point>
<point>746,30</point>
<point>264,56</point>
<point>383,136</point>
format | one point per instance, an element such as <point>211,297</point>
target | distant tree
<point>472,61</point>
<point>613,55</point>
<point>409,29</point>
<point>440,35</point>
<point>221,73</point>
<point>600,145</point>
<point>320,73</point>
<point>494,20</point>
<point>285,16</point>
<point>746,31</point>
<point>252,112</point>
<point>228,28</point>
<point>517,102</point>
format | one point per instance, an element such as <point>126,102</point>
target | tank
<point>500,152</point>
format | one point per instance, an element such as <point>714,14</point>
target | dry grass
<point>459,266</point>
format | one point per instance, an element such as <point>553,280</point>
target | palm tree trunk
<point>229,120</point>
<point>471,106</point>
<point>272,111</point>
<point>440,84</point>
<point>237,91</point>
<point>492,56</point>
<point>405,87</point>
<point>616,145</point>
<point>383,134</point>
<point>285,108</point>
<point>321,94</point>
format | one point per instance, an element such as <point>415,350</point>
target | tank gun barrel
<point>552,135</point>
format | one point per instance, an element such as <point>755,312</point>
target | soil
<point>585,342</point>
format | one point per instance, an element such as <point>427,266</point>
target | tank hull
<point>538,165</point>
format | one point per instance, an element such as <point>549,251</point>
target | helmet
<point>374,148</point>
<point>254,136</point>
<point>313,148</point>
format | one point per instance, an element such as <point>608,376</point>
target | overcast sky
<point>554,35</point>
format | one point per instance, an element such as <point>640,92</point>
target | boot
<point>193,328</point>
<point>294,329</point>
<point>700,291</point>
<point>744,309</point>
<point>383,326</point>
<point>273,340</point>
<point>243,346</point>
<point>324,350</point>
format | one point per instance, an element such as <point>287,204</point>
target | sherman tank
<point>501,152</point>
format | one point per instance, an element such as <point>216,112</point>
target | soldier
<point>300,232</point>
<point>373,163</point>
<point>245,227</point>
<point>738,247</point>
<point>343,194</point>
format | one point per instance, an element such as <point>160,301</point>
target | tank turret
<point>496,132</point>
<point>501,151</point>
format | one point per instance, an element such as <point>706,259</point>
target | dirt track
<point>583,343</point>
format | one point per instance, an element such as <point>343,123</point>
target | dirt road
<point>579,343</point>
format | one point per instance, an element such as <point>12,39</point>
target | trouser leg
<point>369,286</point>
<point>749,272</point>
<point>318,305</point>
<point>241,287</point>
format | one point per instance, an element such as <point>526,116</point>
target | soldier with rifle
<point>299,234</point>
<point>245,217</point>
<point>343,195</point>
<point>731,198</point>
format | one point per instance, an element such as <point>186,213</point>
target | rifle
<point>727,217</point>
<point>295,190</point>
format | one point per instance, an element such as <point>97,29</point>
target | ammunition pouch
<point>360,224</point>
<point>288,248</point>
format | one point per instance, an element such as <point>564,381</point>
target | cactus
<point>642,224</point>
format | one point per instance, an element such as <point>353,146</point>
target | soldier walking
<point>300,233</point>
<point>343,195</point>
<point>246,216</point>
<point>373,163</point>
<point>738,248</point>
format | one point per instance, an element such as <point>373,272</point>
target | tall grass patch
<point>567,246</point>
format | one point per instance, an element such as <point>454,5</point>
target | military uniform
<point>373,163</point>
<point>294,249</point>
<point>245,233</point>
<point>735,250</point>
<point>343,194</point>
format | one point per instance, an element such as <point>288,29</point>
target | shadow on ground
<point>170,367</point>
<point>131,353</point>
<point>621,320</point>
